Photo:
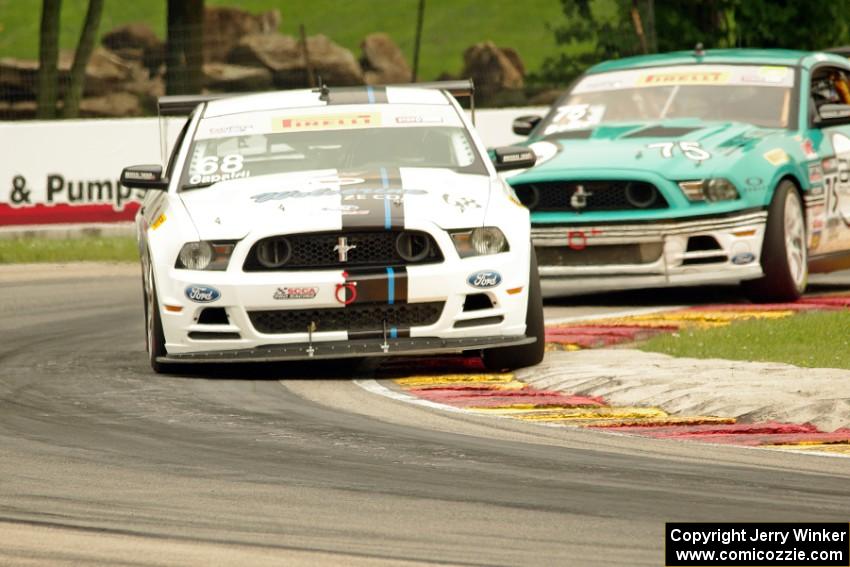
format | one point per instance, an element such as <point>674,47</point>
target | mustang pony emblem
<point>342,247</point>
<point>579,198</point>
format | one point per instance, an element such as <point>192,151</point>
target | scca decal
<point>296,292</point>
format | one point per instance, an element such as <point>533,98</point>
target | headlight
<point>718,189</point>
<point>205,255</point>
<point>479,241</point>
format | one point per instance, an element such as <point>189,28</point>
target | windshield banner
<point>682,75</point>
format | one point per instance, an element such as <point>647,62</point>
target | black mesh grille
<point>599,255</point>
<point>364,317</point>
<point>365,249</point>
<point>599,196</point>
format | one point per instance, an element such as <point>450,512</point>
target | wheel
<point>784,254</point>
<point>508,358</point>
<point>154,336</point>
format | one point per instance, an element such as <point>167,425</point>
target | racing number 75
<point>691,150</point>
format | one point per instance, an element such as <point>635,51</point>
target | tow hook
<point>310,328</point>
<point>385,347</point>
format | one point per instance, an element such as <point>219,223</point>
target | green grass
<point>450,25</point>
<point>816,340</point>
<point>95,249</point>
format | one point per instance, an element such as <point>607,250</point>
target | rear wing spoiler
<point>183,105</point>
<point>843,50</point>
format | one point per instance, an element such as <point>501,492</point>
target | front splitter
<point>347,349</point>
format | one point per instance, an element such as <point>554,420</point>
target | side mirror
<point>513,157</point>
<point>146,177</point>
<point>525,124</point>
<point>833,115</point>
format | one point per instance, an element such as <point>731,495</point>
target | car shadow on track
<point>697,295</point>
<point>346,369</point>
<point>342,369</point>
<point>656,297</point>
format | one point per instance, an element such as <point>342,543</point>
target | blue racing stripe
<point>385,183</point>
<point>388,217</point>
<point>390,286</point>
<point>371,94</point>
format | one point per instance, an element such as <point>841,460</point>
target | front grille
<point>352,318</point>
<point>598,196</point>
<point>309,251</point>
<point>599,255</point>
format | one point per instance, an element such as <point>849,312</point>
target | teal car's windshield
<point>759,95</point>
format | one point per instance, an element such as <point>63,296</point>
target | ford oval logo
<point>484,280</point>
<point>202,293</point>
<point>743,258</point>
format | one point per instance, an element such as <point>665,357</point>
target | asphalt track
<point>102,462</point>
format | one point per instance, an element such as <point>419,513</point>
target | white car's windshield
<point>759,95</point>
<point>240,146</point>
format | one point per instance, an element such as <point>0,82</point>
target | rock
<point>18,76</point>
<point>225,26</point>
<point>133,36</point>
<point>491,69</point>
<point>284,57</point>
<point>107,72</point>
<point>236,78</point>
<point>22,110</point>
<point>272,51</point>
<point>112,105</point>
<point>382,61</point>
<point>514,58</point>
<point>333,63</point>
<point>148,90</point>
<point>136,42</point>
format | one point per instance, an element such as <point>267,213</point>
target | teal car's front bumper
<point>581,258</point>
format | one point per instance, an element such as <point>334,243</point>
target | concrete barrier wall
<point>66,172</point>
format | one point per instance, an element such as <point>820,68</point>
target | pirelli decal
<point>338,121</point>
<point>380,205</point>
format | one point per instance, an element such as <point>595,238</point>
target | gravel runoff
<point>749,391</point>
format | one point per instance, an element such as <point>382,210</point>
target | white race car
<point>335,223</point>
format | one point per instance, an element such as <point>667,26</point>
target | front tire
<point>508,358</point>
<point>154,335</point>
<point>784,255</point>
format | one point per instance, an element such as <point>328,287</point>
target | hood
<point>678,149</point>
<point>333,200</point>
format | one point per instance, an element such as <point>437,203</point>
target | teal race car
<point>689,168</point>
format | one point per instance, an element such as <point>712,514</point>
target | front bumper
<point>575,259</point>
<point>240,294</point>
